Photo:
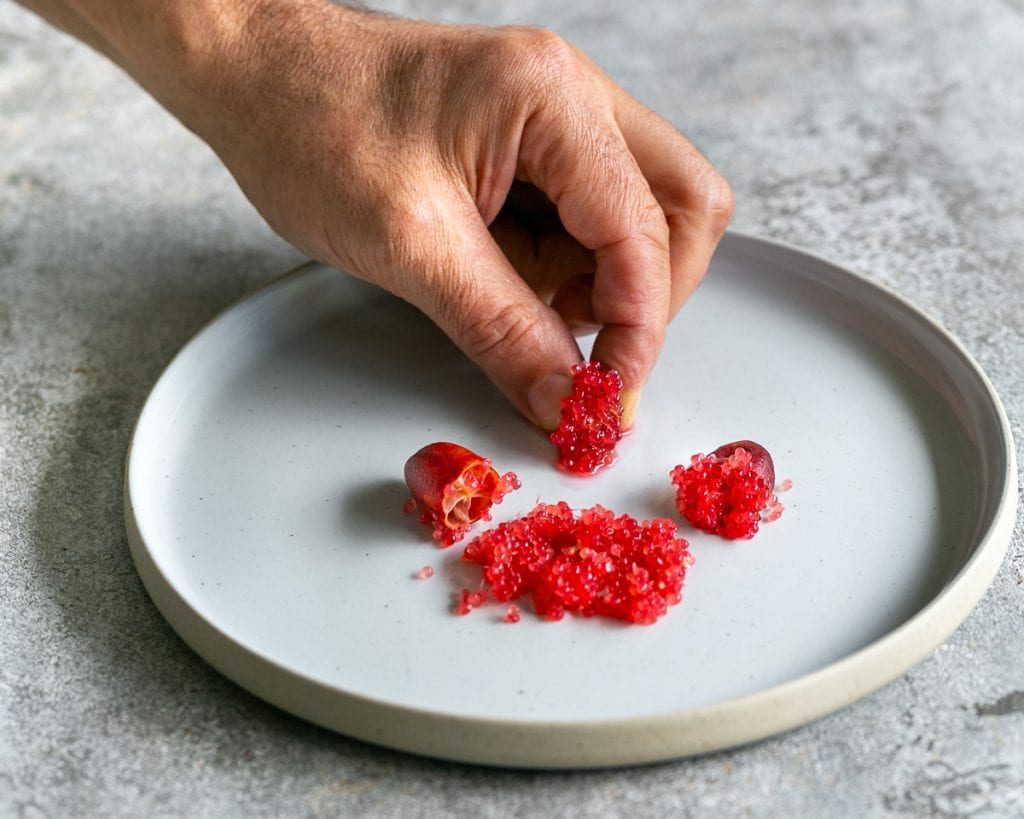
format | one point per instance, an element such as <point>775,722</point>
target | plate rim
<point>616,741</point>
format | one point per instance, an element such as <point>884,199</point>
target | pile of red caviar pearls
<point>593,563</point>
<point>590,423</point>
<point>726,493</point>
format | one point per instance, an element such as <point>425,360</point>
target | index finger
<point>576,153</point>
<point>696,200</point>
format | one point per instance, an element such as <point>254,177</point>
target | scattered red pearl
<point>773,512</point>
<point>469,600</point>
<point>786,485</point>
<point>590,424</point>
<point>591,564</point>
<point>513,614</point>
<point>724,493</point>
<point>425,573</point>
<point>454,487</point>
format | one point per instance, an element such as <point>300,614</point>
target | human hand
<point>494,177</point>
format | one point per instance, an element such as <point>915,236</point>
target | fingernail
<point>630,399</point>
<point>545,399</point>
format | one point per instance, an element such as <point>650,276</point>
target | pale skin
<point>496,178</point>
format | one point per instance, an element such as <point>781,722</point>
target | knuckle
<point>411,254</point>
<point>498,334</point>
<point>396,246</point>
<point>654,225</point>
<point>648,340</point>
<point>541,41</point>
<point>550,61</point>
<point>635,303</point>
<point>553,51</point>
<point>406,227</point>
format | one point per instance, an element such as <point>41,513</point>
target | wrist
<point>198,56</point>
<point>256,65</point>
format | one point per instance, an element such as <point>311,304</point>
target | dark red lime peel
<point>453,488</point>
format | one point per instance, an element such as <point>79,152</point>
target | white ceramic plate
<point>264,492</point>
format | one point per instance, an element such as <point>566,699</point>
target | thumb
<point>475,295</point>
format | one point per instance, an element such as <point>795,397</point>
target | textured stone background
<point>886,135</point>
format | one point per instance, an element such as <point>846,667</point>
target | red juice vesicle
<point>591,420</point>
<point>593,563</point>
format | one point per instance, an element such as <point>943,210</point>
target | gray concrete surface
<point>887,135</point>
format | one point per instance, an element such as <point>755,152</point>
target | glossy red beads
<point>593,563</point>
<point>726,493</point>
<point>469,600</point>
<point>591,419</point>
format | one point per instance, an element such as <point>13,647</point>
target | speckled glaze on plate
<point>263,500</point>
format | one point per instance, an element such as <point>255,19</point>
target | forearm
<point>183,52</point>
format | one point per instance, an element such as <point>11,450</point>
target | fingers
<point>642,212</point>
<point>574,151</point>
<point>696,200</point>
<point>465,283</point>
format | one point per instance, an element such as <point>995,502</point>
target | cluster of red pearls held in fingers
<point>591,562</point>
<point>591,420</point>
